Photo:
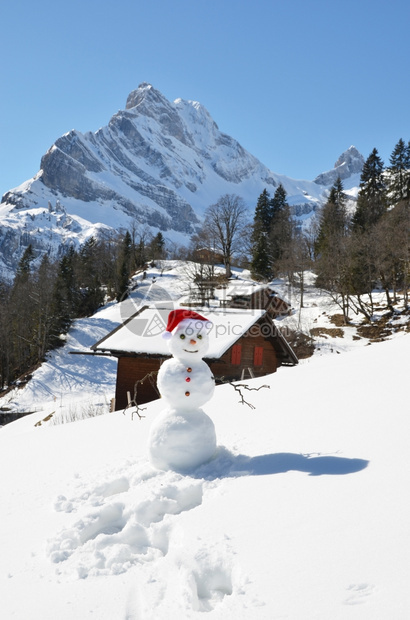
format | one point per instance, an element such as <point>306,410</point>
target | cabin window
<point>236,354</point>
<point>258,356</point>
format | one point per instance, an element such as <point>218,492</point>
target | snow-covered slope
<point>156,163</point>
<point>302,514</point>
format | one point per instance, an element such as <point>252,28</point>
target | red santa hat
<point>176,316</point>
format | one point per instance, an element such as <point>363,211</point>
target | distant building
<point>208,256</point>
<point>254,296</point>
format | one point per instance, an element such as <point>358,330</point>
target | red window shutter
<point>258,356</point>
<point>236,354</point>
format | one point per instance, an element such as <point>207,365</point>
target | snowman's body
<point>185,384</point>
<point>183,436</point>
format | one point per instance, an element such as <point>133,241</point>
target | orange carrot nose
<point>192,341</point>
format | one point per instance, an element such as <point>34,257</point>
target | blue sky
<point>296,82</point>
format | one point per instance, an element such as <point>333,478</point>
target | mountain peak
<point>348,164</point>
<point>353,158</point>
<point>144,93</point>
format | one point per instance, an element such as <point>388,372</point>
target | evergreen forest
<point>38,308</point>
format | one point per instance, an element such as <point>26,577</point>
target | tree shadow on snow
<point>227,465</point>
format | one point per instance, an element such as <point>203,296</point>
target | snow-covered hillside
<point>302,514</point>
<point>90,381</point>
<point>157,164</point>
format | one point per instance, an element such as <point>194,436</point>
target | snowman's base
<point>181,440</point>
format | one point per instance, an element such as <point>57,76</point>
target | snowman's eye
<point>199,337</point>
<point>182,336</point>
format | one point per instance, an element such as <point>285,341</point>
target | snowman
<point>183,437</point>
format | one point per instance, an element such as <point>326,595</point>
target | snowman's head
<point>190,339</point>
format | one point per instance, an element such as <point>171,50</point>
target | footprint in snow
<point>122,522</point>
<point>211,579</point>
<point>129,519</point>
<point>358,593</point>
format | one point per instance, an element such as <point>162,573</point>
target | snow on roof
<point>246,288</point>
<point>236,288</point>
<point>143,332</point>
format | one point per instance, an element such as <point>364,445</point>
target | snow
<point>302,513</point>
<point>181,439</point>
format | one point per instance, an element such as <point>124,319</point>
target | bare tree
<point>393,257</point>
<point>201,278</point>
<point>296,260</point>
<point>225,222</point>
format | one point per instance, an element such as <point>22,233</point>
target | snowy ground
<point>303,513</point>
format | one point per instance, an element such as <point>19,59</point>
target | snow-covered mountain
<point>156,164</point>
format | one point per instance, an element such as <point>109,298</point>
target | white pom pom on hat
<point>176,316</point>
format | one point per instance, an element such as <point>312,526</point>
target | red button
<point>188,379</point>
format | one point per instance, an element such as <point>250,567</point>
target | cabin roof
<point>245,288</point>
<point>142,333</point>
<point>249,288</point>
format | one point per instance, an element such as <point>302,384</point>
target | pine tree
<point>371,205</point>
<point>263,211</point>
<point>333,220</point>
<point>407,173</point>
<point>278,202</point>
<point>124,266</point>
<point>21,318</point>
<point>66,296</point>
<point>261,263</point>
<point>280,236</point>
<point>330,246</point>
<point>399,172</point>
<point>43,307</point>
<point>157,247</point>
<point>89,277</point>
<point>24,266</point>
<point>6,345</point>
<point>371,201</point>
<point>338,198</point>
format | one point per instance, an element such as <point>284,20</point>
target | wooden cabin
<point>208,256</point>
<point>243,344</point>
<point>258,297</point>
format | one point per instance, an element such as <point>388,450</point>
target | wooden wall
<point>226,368</point>
<point>129,370</point>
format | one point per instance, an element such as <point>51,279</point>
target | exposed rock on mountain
<point>349,164</point>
